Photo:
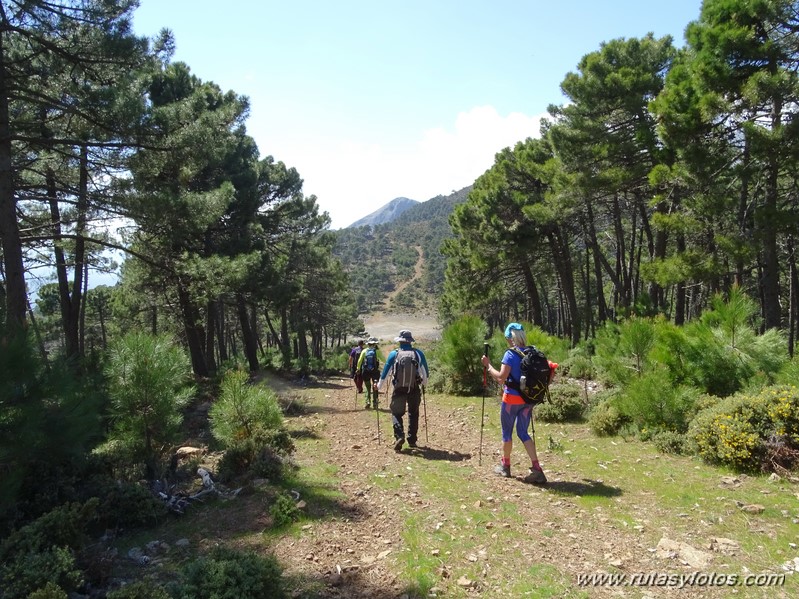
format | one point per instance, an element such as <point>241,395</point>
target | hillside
<point>380,258</point>
<point>386,214</point>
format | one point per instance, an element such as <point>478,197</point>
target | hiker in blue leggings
<point>514,410</point>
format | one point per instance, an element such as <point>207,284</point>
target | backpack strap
<point>511,384</point>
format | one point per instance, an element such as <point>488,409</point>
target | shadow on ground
<point>353,582</point>
<point>431,453</point>
<point>584,487</point>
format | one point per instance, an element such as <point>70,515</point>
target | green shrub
<point>141,589</point>
<point>124,505</point>
<point>43,551</point>
<point>48,421</point>
<point>148,384</point>
<point>228,574</point>
<point>724,350</point>
<point>459,355</point>
<point>243,410</point>
<point>283,511</point>
<point>789,373</point>
<point>260,456</point>
<point>50,591</point>
<point>623,351</point>
<point>669,442</point>
<point>652,401</point>
<point>565,404</point>
<point>606,419</point>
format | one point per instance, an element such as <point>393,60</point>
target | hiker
<point>355,374</point>
<point>408,368</point>
<point>514,410</point>
<point>369,369</point>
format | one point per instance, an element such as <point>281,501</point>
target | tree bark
<point>532,294</point>
<point>16,295</point>
<point>247,334</point>
<point>194,332</point>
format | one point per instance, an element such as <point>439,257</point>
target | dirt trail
<point>363,550</point>
<point>386,325</point>
<point>417,274</point>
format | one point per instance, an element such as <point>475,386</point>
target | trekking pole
<point>424,403</point>
<point>377,412</point>
<point>483,408</point>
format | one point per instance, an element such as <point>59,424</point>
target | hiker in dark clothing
<point>408,369</point>
<point>369,367</point>
<point>355,374</point>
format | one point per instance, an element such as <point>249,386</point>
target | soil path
<point>417,274</point>
<point>365,548</point>
<point>386,325</point>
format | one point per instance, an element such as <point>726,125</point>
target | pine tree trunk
<point>16,297</point>
<point>247,334</point>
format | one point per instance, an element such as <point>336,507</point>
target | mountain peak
<point>386,213</point>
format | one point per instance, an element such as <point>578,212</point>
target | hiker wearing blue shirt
<point>408,369</point>
<point>515,412</point>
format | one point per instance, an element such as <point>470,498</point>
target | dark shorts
<point>371,375</point>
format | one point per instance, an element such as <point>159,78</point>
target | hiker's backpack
<point>369,360</point>
<point>354,355</point>
<point>536,373</point>
<point>406,370</point>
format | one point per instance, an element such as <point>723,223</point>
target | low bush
<point>745,432</point>
<point>565,404</point>
<point>41,555</point>
<point>50,591</point>
<point>126,506</point>
<point>140,589</point>
<point>459,355</point>
<point>284,511</point>
<point>228,574</point>
<point>261,456</point>
<point>149,382</point>
<point>652,401</point>
<point>669,442</point>
<point>606,419</point>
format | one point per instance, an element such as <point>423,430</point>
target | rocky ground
<point>358,552</point>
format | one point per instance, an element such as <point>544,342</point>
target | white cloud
<point>353,178</point>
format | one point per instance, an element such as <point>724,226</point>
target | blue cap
<point>514,326</point>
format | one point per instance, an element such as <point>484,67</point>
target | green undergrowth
<point>462,532</point>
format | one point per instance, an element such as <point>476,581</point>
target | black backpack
<point>534,386</point>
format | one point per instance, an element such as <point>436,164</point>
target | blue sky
<point>373,100</point>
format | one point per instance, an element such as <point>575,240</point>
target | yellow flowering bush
<point>783,411</point>
<point>739,430</point>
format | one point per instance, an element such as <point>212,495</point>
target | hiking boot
<point>535,477</point>
<point>503,470</point>
<point>366,407</point>
<point>398,444</point>
<point>412,443</point>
